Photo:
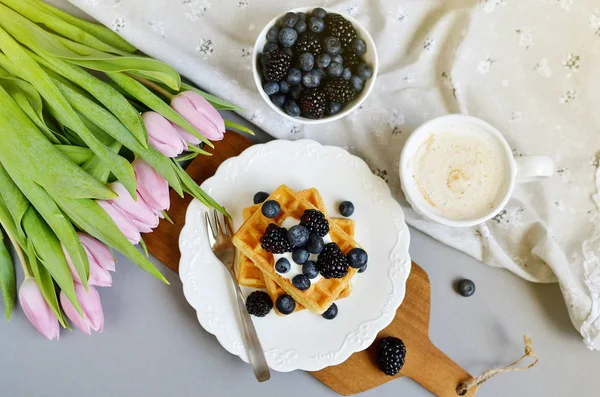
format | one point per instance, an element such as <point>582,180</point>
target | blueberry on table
<point>285,304</point>
<point>271,87</point>
<point>309,269</point>
<point>289,20</point>
<point>357,258</point>
<point>294,76</point>
<point>297,235</point>
<point>288,37</point>
<point>358,46</point>
<point>331,312</point>
<point>316,25</point>
<point>300,255</point>
<point>259,303</point>
<point>335,69</point>
<point>333,108</point>
<point>364,71</point>
<point>301,282</point>
<point>332,45</point>
<point>296,92</point>
<point>270,47</point>
<point>282,265</point>
<point>465,287</point>
<point>391,353</point>
<point>315,243</point>
<point>278,100</point>
<point>273,34</point>
<point>284,87</point>
<point>346,208</point>
<point>346,74</point>
<point>323,60</point>
<point>300,27</point>
<point>271,208</point>
<point>260,197</point>
<point>306,61</point>
<point>292,108</point>
<point>357,83</point>
<point>319,13</point>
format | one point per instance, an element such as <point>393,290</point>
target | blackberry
<point>339,90</point>
<point>391,353</point>
<point>313,104</point>
<point>351,60</point>
<point>340,27</point>
<point>331,262</point>
<point>315,221</point>
<point>276,65</point>
<point>275,240</point>
<point>259,303</point>
<point>308,42</point>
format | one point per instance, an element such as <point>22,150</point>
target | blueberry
<point>337,58</point>
<point>288,37</point>
<point>319,72</point>
<point>294,76</point>
<point>333,108</point>
<point>292,108</point>
<point>300,255</point>
<point>284,87</point>
<point>300,26</point>
<point>259,197</point>
<point>301,282</point>
<point>359,47</point>
<point>296,92</point>
<point>273,34</point>
<point>270,47</point>
<point>311,79</point>
<point>271,208</point>
<point>323,60</point>
<point>357,258</point>
<point>335,69</point>
<point>332,45</point>
<point>278,100</point>
<point>316,25</point>
<point>289,20</point>
<point>315,243</point>
<point>283,265</point>
<point>319,13</point>
<point>346,74</point>
<point>356,83</point>
<point>363,268</point>
<point>306,61</point>
<point>285,304</point>
<point>330,313</point>
<point>297,235</point>
<point>287,51</point>
<point>465,287</point>
<point>346,208</point>
<point>301,16</point>
<point>309,269</point>
<point>364,71</point>
<point>271,87</point>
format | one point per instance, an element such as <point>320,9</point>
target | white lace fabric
<point>530,68</point>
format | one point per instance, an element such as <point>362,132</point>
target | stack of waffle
<point>255,267</point>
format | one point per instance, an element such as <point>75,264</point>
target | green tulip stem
<point>153,86</point>
<point>19,252</point>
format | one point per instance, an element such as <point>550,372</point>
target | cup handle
<point>533,168</point>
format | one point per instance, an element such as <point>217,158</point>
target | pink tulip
<point>98,255</point>
<point>97,252</point>
<point>139,212</point>
<point>122,221</point>
<point>152,188</point>
<point>162,135</point>
<point>186,136</point>
<point>93,316</point>
<point>200,113</point>
<point>37,310</point>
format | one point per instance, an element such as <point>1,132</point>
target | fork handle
<point>256,355</point>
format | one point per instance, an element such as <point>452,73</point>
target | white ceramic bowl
<point>370,58</point>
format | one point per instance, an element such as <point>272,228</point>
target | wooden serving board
<point>425,363</point>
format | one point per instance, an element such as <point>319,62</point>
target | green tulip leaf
<point>76,154</point>
<point>8,281</point>
<point>218,103</point>
<point>239,127</point>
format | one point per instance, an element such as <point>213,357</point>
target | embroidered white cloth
<point>531,68</point>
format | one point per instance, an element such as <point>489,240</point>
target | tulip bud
<point>162,136</point>
<point>200,113</point>
<point>37,310</point>
<point>152,188</point>
<point>93,316</point>
<point>138,211</point>
<point>122,221</point>
<point>99,276</point>
<point>98,252</point>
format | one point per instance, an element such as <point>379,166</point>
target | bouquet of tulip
<point>88,152</point>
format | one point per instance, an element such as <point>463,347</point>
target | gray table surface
<point>153,345</point>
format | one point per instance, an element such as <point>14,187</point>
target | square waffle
<point>321,294</point>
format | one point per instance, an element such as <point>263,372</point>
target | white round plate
<point>302,340</point>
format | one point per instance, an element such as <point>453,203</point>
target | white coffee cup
<point>506,170</point>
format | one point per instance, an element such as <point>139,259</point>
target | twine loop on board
<point>464,387</point>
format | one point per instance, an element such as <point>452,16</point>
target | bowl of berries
<point>314,65</point>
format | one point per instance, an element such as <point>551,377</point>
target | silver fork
<point>219,234</point>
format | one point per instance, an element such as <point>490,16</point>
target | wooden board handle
<point>435,371</point>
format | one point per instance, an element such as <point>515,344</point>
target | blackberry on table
<point>331,262</point>
<point>313,104</point>
<point>276,65</point>
<point>275,240</point>
<point>391,353</point>
<point>339,90</point>
<point>308,42</point>
<point>259,303</point>
<point>340,27</point>
<point>315,221</point>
